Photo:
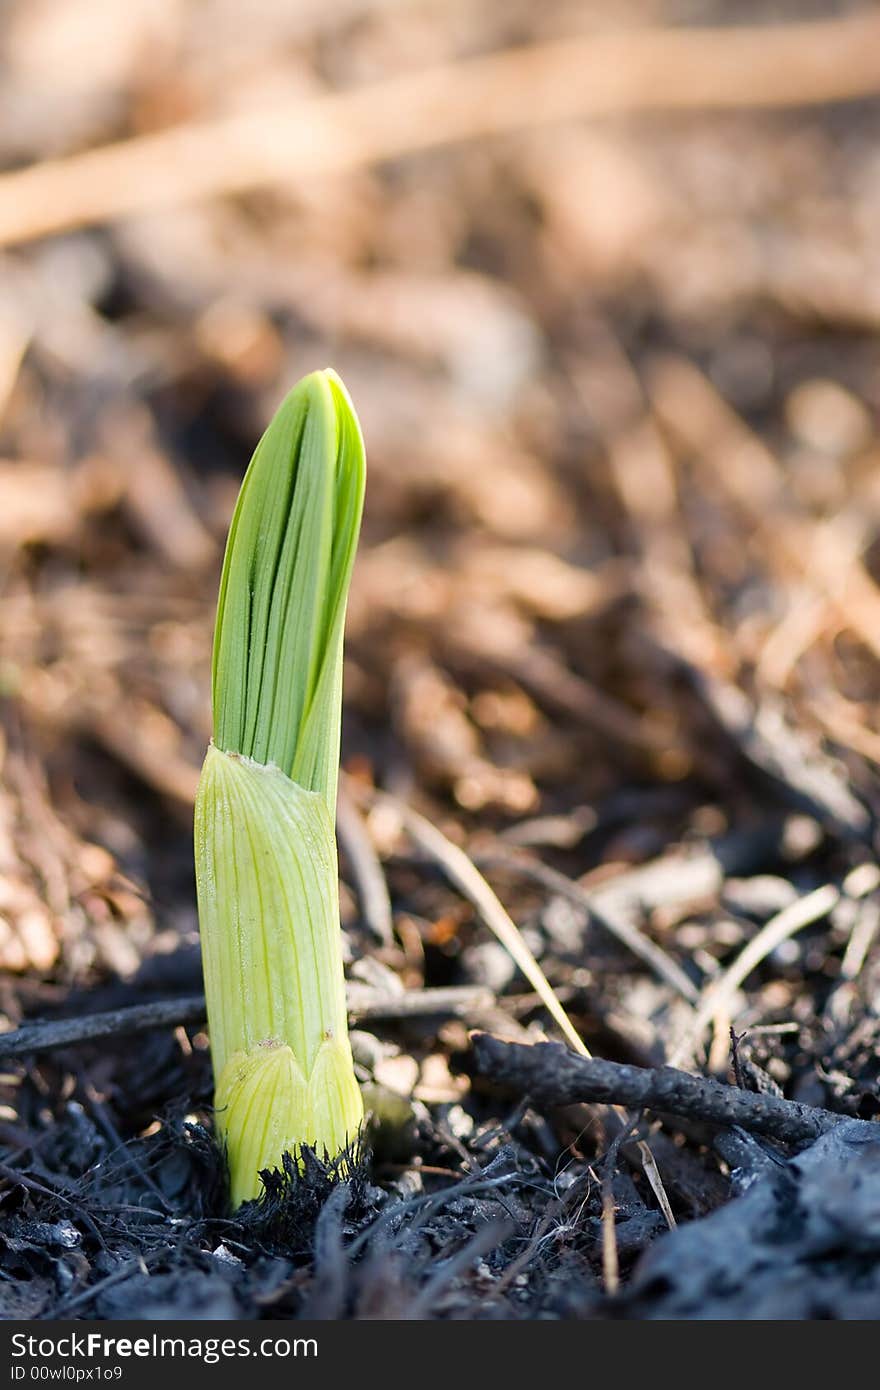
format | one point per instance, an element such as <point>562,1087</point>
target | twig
<point>463,873</point>
<point>863,933</point>
<point>806,777</point>
<point>655,1181</point>
<point>600,74</point>
<point>136,1018</point>
<point>453,1000</point>
<point>606,917</point>
<point>364,1005</point>
<point>610,1258</point>
<point>139,1265</point>
<point>492,1235</point>
<point>551,1074</point>
<point>784,924</point>
<point>129,1153</point>
<point>369,878</point>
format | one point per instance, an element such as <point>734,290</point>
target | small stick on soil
<point>612,921</point>
<point>552,1075</point>
<point>461,871</point>
<point>454,1000</point>
<point>610,1259</point>
<point>652,1173</point>
<point>466,877</point>
<point>369,878</point>
<point>779,928</point>
<point>364,1005</point>
<point>137,1018</point>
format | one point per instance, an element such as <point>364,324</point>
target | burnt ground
<point>613,631</point>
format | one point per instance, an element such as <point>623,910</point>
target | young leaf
<point>265,847</point>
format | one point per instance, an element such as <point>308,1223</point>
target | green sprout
<point>265,844</point>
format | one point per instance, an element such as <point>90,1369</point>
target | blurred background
<point>604,284</point>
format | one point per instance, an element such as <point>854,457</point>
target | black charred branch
<point>551,1074</point>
